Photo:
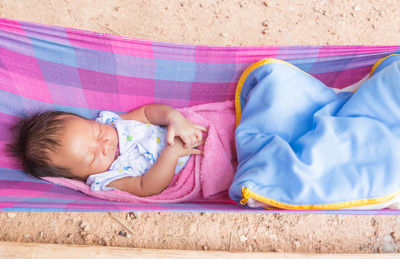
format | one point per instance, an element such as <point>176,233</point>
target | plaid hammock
<point>47,67</point>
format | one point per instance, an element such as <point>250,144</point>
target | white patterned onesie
<point>140,145</point>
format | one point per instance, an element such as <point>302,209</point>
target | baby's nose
<point>106,147</point>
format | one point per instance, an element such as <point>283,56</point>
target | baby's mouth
<point>116,152</point>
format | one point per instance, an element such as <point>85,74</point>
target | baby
<point>131,152</point>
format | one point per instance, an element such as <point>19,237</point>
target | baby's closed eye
<point>93,159</point>
<point>98,131</point>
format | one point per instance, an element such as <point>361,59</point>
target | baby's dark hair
<point>36,138</point>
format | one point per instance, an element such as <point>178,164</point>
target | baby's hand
<point>180,150</point>
<point>190,133</point>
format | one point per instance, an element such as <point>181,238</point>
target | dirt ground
<point>227,23</point>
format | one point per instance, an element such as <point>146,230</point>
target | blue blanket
<point>300,145</point>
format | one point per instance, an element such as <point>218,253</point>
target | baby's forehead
<point>77,131</point>
<point>77,125</point>
<point>75,119</point>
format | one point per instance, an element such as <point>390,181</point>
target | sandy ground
<point>228,23</point>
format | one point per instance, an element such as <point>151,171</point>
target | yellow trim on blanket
<point>377,63</point>
<point>260,63</point>
<point>243,78</point>
<point>247,194</point>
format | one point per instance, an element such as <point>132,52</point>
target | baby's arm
<point>159,175</point>
<point>178,125</point>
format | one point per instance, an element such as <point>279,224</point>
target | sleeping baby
<point>132,152</point>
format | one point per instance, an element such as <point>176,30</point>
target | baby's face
<point>87,147</point>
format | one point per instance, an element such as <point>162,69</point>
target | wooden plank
<point>37,250</point>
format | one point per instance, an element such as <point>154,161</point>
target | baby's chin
<point>113,156</point>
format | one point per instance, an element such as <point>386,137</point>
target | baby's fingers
<point>195,151</point>
<point>188,141</point>
<point>202,128</point>
<point>198,136</point>
<point>199,143</point>
<point>193,141</point>
<point>170,136</point>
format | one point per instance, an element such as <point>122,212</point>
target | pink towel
<point>205,177</point>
